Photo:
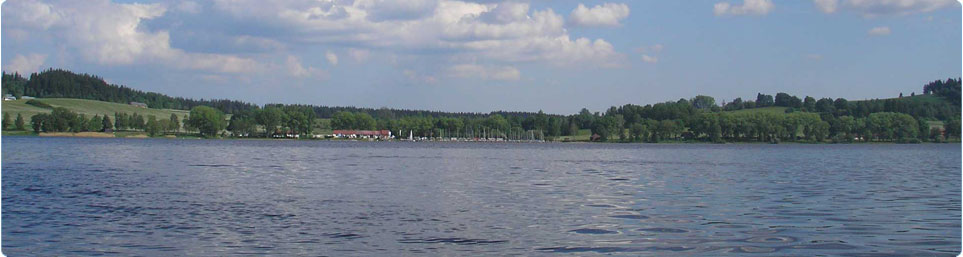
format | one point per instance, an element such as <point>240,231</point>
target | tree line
<point>57,83</point>
<point>699,118</point>
<point>64,120</point>
<point>902,119</point>
<point>204,120</point>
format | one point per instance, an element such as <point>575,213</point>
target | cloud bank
<point>605,15</point>
<point>203,36</point>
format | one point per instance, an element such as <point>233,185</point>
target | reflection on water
<point>69,196</point>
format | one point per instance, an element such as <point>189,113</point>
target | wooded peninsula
<point>57,101</point>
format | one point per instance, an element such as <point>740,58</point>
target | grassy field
<point>85,107</point>
<point>583,135</point>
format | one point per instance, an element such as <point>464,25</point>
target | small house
<point>139,104</point>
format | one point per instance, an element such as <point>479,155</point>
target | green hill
<point>923,99</point>
<point>85,107</point>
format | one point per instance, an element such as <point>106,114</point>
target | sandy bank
<point>81,134</point>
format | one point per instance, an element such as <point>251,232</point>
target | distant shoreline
<point>136,135</point>
<point>783,118</point>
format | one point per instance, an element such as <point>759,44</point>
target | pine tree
<point>107,125</point>
<point>6,121</point>
<point>175,124</point>
<point>19,122</point>
<point>151,127</point>
<point>95,124</point>
<point>121,121</point>
<point>137,121</point>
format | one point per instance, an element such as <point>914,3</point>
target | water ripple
<point>289,198</point>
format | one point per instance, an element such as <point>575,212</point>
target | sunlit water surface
<point>74,196</point>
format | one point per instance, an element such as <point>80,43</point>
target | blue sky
<point>481,56</point>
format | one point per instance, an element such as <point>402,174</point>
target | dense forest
<point>57,83</point>
<point>933,115</point>
<point>65,84</point>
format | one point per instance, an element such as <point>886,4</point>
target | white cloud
<point>25,64</point>
<point>484,72</point>
<point>332,58</point>
<point>748,7</point>
<point>31,14</point>
<point>464,27</point>
<point>649,59</point>
<point>502,32</point>
<point>605,15</point>
<point>107,33</point>
<point>871,8</point>
<point>826,6</point>
<point>295,69</point>
<point>110,34</point>
<point>561,51</point>
<point>879,31</point>
<point>507,12</point>
<point>648,52</point>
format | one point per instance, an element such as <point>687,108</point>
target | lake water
<point>156,197</point>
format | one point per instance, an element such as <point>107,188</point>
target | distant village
<point>386,135</point>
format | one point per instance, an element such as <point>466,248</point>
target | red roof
<point>363,132</point>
